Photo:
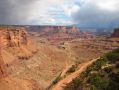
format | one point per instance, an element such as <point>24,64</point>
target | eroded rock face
<point>60,32</point>
<point>11,37</point>
<point>54,29</point>
<point>16,42</point>
<point>2,68</point>
<point>116,33</point>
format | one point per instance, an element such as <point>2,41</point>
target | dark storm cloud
<point>34,12</point>
<point>14,11</point>
<point>96,18</point>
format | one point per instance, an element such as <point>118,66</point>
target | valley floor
<point>51,59</point>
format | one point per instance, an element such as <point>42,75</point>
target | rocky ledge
<point>16,43</point>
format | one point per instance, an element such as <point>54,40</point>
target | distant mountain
<point>60,31</point>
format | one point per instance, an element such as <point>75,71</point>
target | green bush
<point>112,57</point>
<point>57,80</point>
<point>114,81</point>
<point>113,86</point>
<point>97,65</point>
<point>74,85</point>
<point>99,83</point>
<point>108,69</point>
<point>116,50</point>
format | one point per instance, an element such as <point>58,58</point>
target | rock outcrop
<point>60,32</point>
<point>15,42</point>
<point>54,29</point>
<point>12,37</point>
<point>2,68</point>
<point>115,34</point>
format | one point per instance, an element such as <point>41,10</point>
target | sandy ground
<point>42,67</point>
<point>10,83</point>
<point>45,65</point>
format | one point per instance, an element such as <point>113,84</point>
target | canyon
<point>32,57</point>
<point>14,45</point>
<point>59,34</point>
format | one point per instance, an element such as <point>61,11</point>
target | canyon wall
<point>60,31</point>
<point>11,37</point>
<point>54,29</point>
<point>15,43</point>
<point>2,67</point>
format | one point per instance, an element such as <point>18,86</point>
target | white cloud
<point>108,5</point>
<point>98,13</point>
<point>33,11</point>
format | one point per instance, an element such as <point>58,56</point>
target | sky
<point>83,13</point>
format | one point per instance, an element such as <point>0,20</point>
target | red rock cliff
<point>15,42</point>
<point>13,37</point>
<point>2,67</point>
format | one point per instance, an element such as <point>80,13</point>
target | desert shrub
<point>97,65</point>
<point>57,79</point>
<point>113,86</point>
<point>108,69</point>
<point>116,50</point>
<point>74,85</point>
<point>112,57</point>
<point>114,77</point>
<point>71,69</point>
<point>114,81</point>
<point>100,83</point>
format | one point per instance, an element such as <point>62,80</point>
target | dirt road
<point>69,78</point>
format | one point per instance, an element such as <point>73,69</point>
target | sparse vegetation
<point>72,69</point>
<point>113,56</point>
<point>57,79</point>
<point>106,78</point>
<point>98,83</point>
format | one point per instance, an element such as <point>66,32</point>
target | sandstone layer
<point>16,43</point>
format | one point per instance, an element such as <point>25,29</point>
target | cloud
<point>97,13</point>
<point>14,11</point>
<point>84,13</point>
<point>42,12</point>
